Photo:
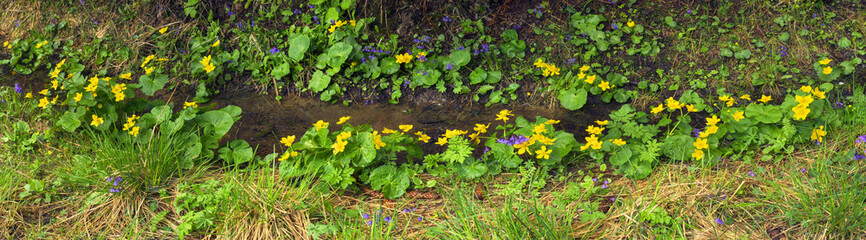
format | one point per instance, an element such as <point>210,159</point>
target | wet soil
<point>264,120</point>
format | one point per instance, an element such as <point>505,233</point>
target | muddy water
<point>264,120</point>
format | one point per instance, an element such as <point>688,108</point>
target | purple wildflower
<point>231,13</point>
<point>387,219</point>
<point>594,179</point>
<point>17,23</point>
<point>406,83</point>
<point>839,105</point>
<point>312,6</point>
<point>803,170</point>
<point>274,50</point>
<point>689,11</point>
<point>296,11</point>
<point>365,216</point>
<point>614,26</point>
<point>460,48</point>
<point>81,1</point>
<point>696,132</point>
<point>751,173</point>
<point>370,222</point>
<point>420,219</point>
<point>613,199</point>
<point>860,139</point>
<point>449,67</point>
<point>605,184</point>
<point>316,18</point>
<point>486,149</point>
<point>18,88</point>
<point>857,156</point>
<point>720,221</point>
<point>446,19</point>
<point>405,211</point>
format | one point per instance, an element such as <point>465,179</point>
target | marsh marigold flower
<point>96,120</point>
<point>405,127</point>
<point>422,137</point>
<point>818,134</point>
<point>481,128</point>
<point>765,99</point>
<point>604,85</point>
<point>629,24</point>
<point>825,61</point>
<point>163,30</point>
<point>190,104</point>
<point>134,131</point>
<point>216,44</point>
<point>543,153</point>
<point>738,115</point>
<point>343,119</point>
<point>127,76</point>
<point>618,142</point>
<point>320,124</point>
<point>827,70</point>
<point>404,58</point>
<point>658,109</point>
<point>339,146</point>
<point>698,154</point>
<point>288,140</point>
<point>701,143</point>
<point>503,115</point>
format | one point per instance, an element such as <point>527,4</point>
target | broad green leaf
<point>320,81</point>
<point>572,99</point>
<point>389,65</point>
<point>477,76</point>
<point>69,121</point>
<point>493,77</point>
<point>460,58</point>
<point>764,114</point>
<point>150,85</point>
<point>219,121</point>
<point>338,53</point>
<point>298,47</point>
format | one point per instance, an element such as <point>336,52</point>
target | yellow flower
<point>332,28</point>
<point>127,76</point>
<point>729,101</point>
<point>162,30</point>
<point>630,24</point>
<point>658,109</point>
<point>539,129</point>
<point>288,140</point>
<point>804,100</point>
<point>442,141</point>
<point>801,112</point>
<point>601,123</point>
<point>544,140</point>
<point>377,140</point>
<point>818,93</point>
<point>320,124</point>
<point>523,147</point>
<point>604,85</point>
<point>404,58</point>
<point>130,121</point>
<point>701,143</point>
<point>581,76</point>
<point>216,44</point>
<point>746,97</point>
<point>503,115</point>
<point>44,92</point>
<point>118,89</point>
<point>388,131</point>
<point>54,100</point>
<point>584,68</point>
<point>481,128</point>
<point>593,130</point>
<point>28,95</point>
<point>422,54</point>
<point>538,63</point>
<point>148,70</point>
<point>673,104</point>
<point>825,61</point>
<point>54,84</point>
<point>54,73</point>
<point>205,60</point>
<point>738,115</point>
<point>96,121</point>
<point>405,127</point>
<point>209,68</point>
<point>343,119</point>
<point>344,136</point>
<point>550,121</point>
<point>618,142</point>
<point>691,108</point>
<point>190,104</point>
<point>147,60</point>
<point>6,44</point>
<point>423,137</point>
<point>161,59</point>
<point>43,102</point>
<point>543,153</point>
<point>827,70</point>
<point>284,157</point>
<point>765,99</point>
<point>818,134</point>
<point>134,131</point>
<point>711,121</point>
<point>550,70</point>
<point>452,133</point>
<point>77,97</point>
<point>352,22</point>
<point>39,45</point>
<point>590,79</point>
<point>339,146</point>
<point>698,154</point>
<point>806,89</point>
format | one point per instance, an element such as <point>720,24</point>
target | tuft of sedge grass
<point>267,207</point>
